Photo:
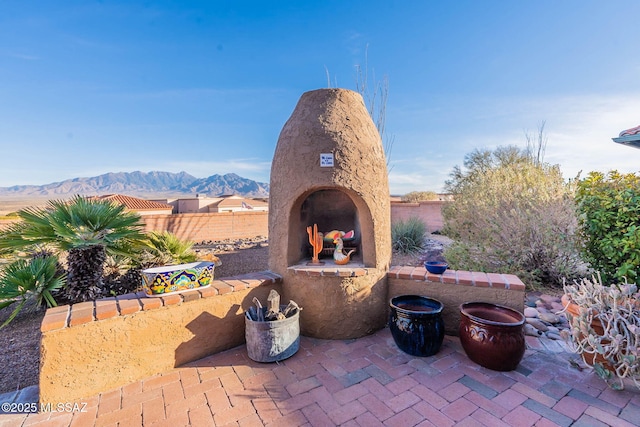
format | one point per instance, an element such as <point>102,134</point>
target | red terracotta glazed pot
<point>492,335</point>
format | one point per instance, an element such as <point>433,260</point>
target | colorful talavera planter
<point>170,279</point>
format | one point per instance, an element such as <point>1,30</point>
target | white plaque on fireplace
<point>326,160</point>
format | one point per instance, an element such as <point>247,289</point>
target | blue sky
<point>206,86</point>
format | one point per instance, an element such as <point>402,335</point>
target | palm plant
<point>165,248</point>
<point>83,228</point>
<point>122,274</point>
<point>25,280</point>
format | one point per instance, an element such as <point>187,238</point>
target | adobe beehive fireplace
<point>329,169</point>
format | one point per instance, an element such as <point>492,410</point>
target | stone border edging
<point>66,316</point>
<point>459,277</point>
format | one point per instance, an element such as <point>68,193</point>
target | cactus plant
<point>605,328</point>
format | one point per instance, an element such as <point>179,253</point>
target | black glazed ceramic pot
<point>492,335</point>
<point>416,324</point>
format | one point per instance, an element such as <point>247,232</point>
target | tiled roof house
<point>227,203</point>
<point>141,206</point>
<point>238,203</point>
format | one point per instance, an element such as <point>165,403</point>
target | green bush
<point>512,214</point>
<point>26,280</point>
<point>419,196</point>
<point>408,236</point>
<point>609,218</point>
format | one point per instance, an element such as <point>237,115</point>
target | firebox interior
<point>331,210</point>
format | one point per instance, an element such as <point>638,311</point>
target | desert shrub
<point>408,236</point>
<point>512,214</point>
<point>419,196</point>
<point>29,280</point>
<point>609,219</point>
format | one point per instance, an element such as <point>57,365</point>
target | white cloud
<point>419,175</point>
<point>579,131</point>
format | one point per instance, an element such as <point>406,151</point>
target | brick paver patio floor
<point>362,382</point>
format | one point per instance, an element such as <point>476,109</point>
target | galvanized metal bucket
<point>271,341</point>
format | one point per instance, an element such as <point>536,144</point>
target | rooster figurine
<point>338,255</point>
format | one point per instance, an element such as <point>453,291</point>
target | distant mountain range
<point>144,184</point>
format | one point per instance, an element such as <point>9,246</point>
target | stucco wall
<point>83,354</point>
<point>233,225</point>
<point>211,226</point>
<point>456,287</point>
<point>92,347</point>
<point>430,212</point>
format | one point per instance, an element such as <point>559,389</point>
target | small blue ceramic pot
<point>436,267</point>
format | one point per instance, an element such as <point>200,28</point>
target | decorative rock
<point>530,299</point>
<point>230,245</point>
<point>553,336</point>
<point>544,320</point>
<point>530,330</point>
<point>548,317</point>
<point>537,324</point>
<point>553,329</point>
<point>549,298</point>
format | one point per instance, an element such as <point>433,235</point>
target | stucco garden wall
<point>430,212</point>
<point>237,225</point>
<point>456,287</point>
<point>199,227</point>
<point>91,347</point>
